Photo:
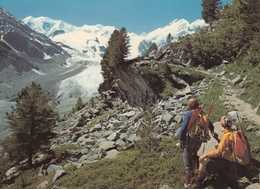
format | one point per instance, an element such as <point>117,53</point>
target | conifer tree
<point>123,45</point>
<point>151,48</point>
<point>147,131</point>
<point>210,9</point>
<point>79,104</point>
<point>116,51</point>
<point>31,121</point>
<point>169,38</point>
<point>250,13</point>
<point>108,59</point>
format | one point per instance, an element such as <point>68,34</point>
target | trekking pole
<point>239,124</point>
<point>211,106</point>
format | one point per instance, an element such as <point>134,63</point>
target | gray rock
<point>113,137</point>
<point>88,141</point>
<point>107,145</point>
<point>96,127</point>
<point>167,117</point>
<point>178,118</point>
<point>133,137</point>
<point>43,185</point>
<point>128,114</point>
<point>111,154</point>
<point>58,174</point>
<point>53,168</point>
<point>237,80</point>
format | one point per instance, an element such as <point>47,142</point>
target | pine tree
<point>147,131</point>
<point>108,59</point>
<point>250,13</point>
<point>31,121</point>
<point>151,48</point>
<point>210,8</point>
<point>116,51</point>
<point>123,45</point>
<point>79,104</point>
<point>169,39</point>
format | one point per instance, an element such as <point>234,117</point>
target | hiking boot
<point>255,179</point>
<point>243,180</point>
<point>196,185</point>
<point>187,185</point>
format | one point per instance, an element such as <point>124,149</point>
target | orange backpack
<point>240,148</point>
<point>198,130</point>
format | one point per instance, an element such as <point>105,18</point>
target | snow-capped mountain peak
<point>90,41</point>
<point>83,43</point>
<point>48,26</point>
<point>176,28</point>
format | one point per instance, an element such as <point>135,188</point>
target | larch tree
<point>31,122</point>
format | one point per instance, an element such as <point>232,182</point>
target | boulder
<point>58,174</point>
<point>111,154</point>
<point>253,186</point>
<point>43,185</point>
<point>107,145</point>
<point>53,168</point>
<point>211,144</point>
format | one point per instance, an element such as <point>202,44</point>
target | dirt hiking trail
<point>245,111</point>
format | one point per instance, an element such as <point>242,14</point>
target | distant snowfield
<point>82,85</point>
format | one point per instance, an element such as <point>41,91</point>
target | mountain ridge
<point>177,28</point>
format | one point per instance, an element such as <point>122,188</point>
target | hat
<point>226,121</point>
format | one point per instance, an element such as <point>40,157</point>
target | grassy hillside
<point>233,39</point>
<point>133,168</point>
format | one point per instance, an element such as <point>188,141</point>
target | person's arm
<point>183,126</point>
<point>221,148</point>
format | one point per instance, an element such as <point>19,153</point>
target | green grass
<point>129,170</point>
<point>132,169</point>
<point>214,91</point>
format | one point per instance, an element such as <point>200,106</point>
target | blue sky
<point>135,15</point>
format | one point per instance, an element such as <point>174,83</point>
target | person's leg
<point>201,172</point>
<point>188,162</point>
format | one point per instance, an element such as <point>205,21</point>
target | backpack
<point>198,130</point>
<point>240,148</point>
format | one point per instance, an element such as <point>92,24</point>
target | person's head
<point>226,122</point>
<point>192,103</point>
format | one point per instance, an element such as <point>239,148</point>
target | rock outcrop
<point>136,82</point>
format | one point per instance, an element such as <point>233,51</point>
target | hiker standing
<point>190,147</point>
<point>221,157</point>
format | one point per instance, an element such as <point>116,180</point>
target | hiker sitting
<point>220,158</point>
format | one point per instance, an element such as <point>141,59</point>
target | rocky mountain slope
<point>62,57</point>
<point>25,55</point>
<point>109,125</point>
